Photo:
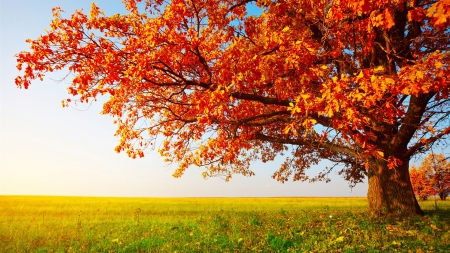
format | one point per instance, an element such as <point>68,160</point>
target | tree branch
<point>301,142</point>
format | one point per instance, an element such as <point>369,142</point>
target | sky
<point>49,150</point>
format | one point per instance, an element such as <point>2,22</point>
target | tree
<point>436,172</point>
<point>361,83</point>
<point>422,186</point>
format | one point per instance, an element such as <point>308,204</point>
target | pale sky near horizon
<point>49,150</point>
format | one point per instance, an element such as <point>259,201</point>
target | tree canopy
<point>361,83</point>
<point>432,177</point>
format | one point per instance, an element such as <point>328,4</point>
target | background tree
<point>436,171</point>
<point>361,83</point>
<point>421,184</point>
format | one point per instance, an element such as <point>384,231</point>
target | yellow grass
<point>82,224</point>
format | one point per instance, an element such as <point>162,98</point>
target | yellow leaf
<point>287,129</point>
<point>324,67</point>
<point>438,64</point>
<point>438,11</point>
<point>361,75</point>
<point>411,232</point>
<point>383,85</point>
<point>419,74</point>
<point>431,10</point>
<point>380,153</point>
<point>358,96</point>
<point>379,69</point>
<point>389,81</point>
<point>389,20</point>
<point>434,227</point>
<point>330,112</point>
<point>310,49</point>
<point>286,29</point>
<point>305,95</point>
<point>239,76</point>
<point>340,239</point>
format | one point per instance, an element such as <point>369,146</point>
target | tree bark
<point>390,190</point>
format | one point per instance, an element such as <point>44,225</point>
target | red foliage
<point>352,81</point>
<point>432,177</point>
<point>421,184</point>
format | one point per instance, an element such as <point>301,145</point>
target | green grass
<point>81,224</point>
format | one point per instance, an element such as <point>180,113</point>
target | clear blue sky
<point>49,150</point>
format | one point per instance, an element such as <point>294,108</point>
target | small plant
<point>136,215</point>
<point>79,219</point>
<point>254,221</point>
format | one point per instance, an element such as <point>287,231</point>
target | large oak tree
<point>362,83</point>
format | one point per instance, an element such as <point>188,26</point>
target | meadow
<point>88,224</point>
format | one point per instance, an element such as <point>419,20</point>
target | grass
<point>82,224</point>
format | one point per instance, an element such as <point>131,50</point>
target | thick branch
<point>411,122</point>
<point>300,142</point>
<point>419,145</point>
<point>266,118</point>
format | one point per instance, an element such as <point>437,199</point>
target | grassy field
<point>81,224</point>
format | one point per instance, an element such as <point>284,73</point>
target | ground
<point>81,224</point>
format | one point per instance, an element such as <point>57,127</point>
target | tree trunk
<point>390,191</point>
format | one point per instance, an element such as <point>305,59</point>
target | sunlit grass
<point>78,224</point>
